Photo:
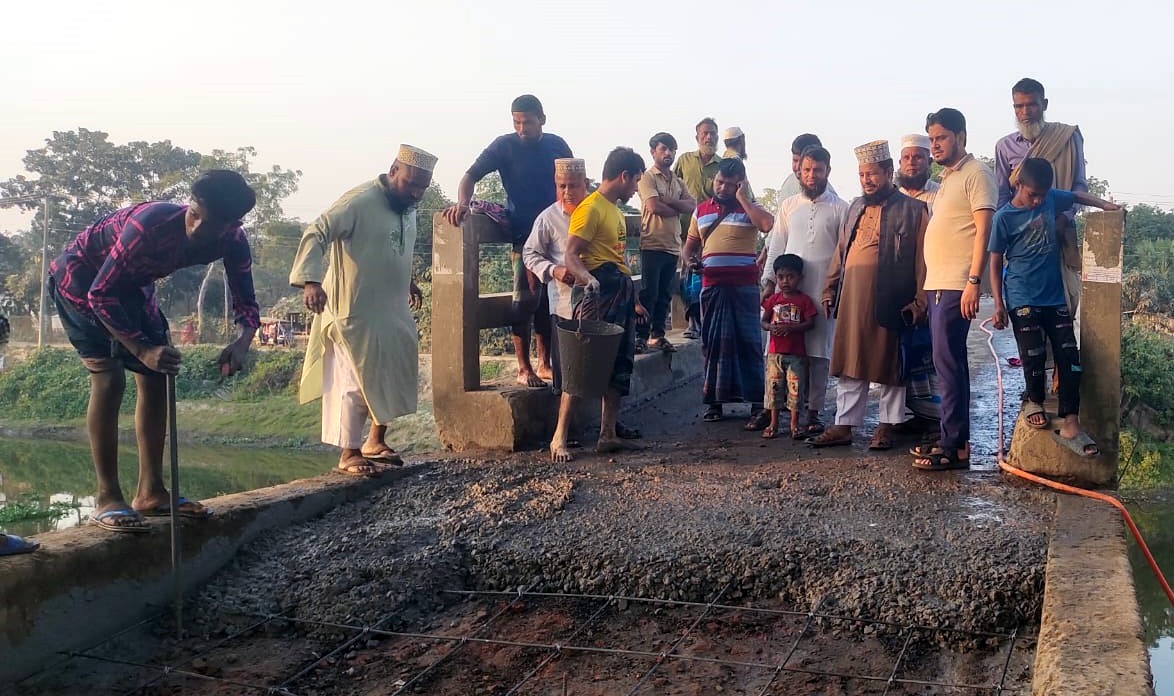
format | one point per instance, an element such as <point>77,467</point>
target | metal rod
<point>794,647</point>
<point>184,673</point>
<point>1007,664</point>
<point>673,648</point>
<point>176,559</point>
<point>558,651</point>
<point>462,640</point>
<point>42,316</point>
<point>897,664</point>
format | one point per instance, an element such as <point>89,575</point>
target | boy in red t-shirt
<point>787,315</point>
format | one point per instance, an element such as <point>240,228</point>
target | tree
<point>490,189</point>
<point>769,200</point>
<point>92,177</point>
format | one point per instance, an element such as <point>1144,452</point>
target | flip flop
<point>1030,409</point>
<point>164,510</point>
<point>758,421</point>
<point>103,520</point>
<point>14,545</point>
<point>712,414</point>
<point>1078,444</point>
<point>768,433</point>
<point>348,470</point>
<point>1014,362</point>
<point>386,455</point>
<point>941,461</point>
<point>830,438</point>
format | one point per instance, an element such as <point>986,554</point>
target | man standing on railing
<point>354,266</point>
<point>525,160</point>
<point>595,258</point>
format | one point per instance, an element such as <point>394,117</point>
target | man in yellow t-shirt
<point>595,257</point>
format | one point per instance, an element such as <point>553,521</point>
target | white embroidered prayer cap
<point>570,165</point>
<point>915,140</point>
<point>415,157</point>
<point>876,151</point>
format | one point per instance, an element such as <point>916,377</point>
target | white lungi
<point>344,410</point>
<point>852,400</point>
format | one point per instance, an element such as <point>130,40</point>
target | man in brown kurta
<point>873,289</point>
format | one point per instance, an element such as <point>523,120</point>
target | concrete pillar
<point>1100,354</point>
<point>456,361</point>
<point>1100,330</point>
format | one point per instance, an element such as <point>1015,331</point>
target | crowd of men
<point>881,289</point>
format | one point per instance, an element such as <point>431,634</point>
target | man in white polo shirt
<point>955,255</point>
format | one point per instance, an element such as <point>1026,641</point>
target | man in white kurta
<point>354,264</point>
<point>808,225</point>
<point>544,253</point>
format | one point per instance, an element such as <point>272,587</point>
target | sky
<point>332,88</point>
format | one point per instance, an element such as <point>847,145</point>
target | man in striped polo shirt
<point>722,242</point>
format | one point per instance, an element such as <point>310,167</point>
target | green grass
<point>33,510</point>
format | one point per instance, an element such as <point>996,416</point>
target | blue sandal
<point>14,545</point>
<point>105,521</point>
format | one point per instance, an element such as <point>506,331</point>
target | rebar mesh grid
<point>698,621</point>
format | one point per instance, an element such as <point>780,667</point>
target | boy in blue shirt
<point>1031,293</point>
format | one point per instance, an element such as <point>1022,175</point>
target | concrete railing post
<point>1100,330</point>
<point>456,362</point>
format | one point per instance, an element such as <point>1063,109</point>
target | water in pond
<point>1156,522</point>
<point>45,472</point>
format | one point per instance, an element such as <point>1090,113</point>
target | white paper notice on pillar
<point>1096,273</point>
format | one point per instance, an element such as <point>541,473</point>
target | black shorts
<point>93,341</point>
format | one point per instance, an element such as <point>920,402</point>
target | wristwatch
<point>973,280</point>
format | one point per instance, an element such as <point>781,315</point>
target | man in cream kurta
<point>808,225</point>
<point>355,267</point>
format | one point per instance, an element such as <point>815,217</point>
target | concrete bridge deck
<point>705,513</point>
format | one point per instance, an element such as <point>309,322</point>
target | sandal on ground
<point>188,509</point>
<point>814,427</point>
<point>625,433</point>
<point>108,521</point>
<point>835,436</point>
<point>800,434</point>
<point>1033,410</point>
<point>940,460</point>
<point>14,545</point>
<point>769,433</point>
<point>882,438</point>
<point>641,346</point>
<point>758,420</point>
<point>1082,445</point>
<point>712,414</point>
<point>383,455</point>
<point>363,468</point>
<point>691,334</point>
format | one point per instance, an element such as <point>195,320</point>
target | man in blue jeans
<point>955,255</point>
<point>664,199</point>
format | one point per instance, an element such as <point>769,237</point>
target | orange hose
<point>1064,488</point>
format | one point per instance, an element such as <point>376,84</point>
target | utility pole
<point>43,310</point>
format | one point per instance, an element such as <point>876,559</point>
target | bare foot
<point>544,372</point>
<point>529,379</point>
<point>560,454</point>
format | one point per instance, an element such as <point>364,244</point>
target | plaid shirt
<point>124,253</point>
